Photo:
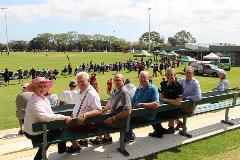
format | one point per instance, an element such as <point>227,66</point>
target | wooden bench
<point>224,101</point>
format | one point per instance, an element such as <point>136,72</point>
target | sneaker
<point>107,140</point>
<point>73,150</point>
<point>130,138</point>
<point>156,134</point>
<point>83,142</point>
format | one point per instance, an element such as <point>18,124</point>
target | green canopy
<point>162,53</point>
<point>172,53</point>
<point>157,51</point>
<point>187,59</point>
<point>143,53</point>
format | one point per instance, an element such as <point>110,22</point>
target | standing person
<point>223,83</point>
<point>119,105</point>
<point>20,75</point>
<point>39,110</point>
<point>161,67</point>
<point>21,103</point>
<point>109,86</point>
<point>170,93</point>
<point>6,77</point>
<point>93,81</point>
<point>33,73</point>
<point>69,97</point>
<point>191,91</point>
<point>146,96</point>
<point>87,105</point>
<point>69,69</point>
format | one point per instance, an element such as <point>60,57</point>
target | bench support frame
<point>122,144</point>
<point>44,145</point>
<point>183,132</point>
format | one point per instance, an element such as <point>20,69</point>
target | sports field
<point>59,60</point>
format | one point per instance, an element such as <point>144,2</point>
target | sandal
<point>83,142</point>
<point>96,141</point>
<point>179,125</point>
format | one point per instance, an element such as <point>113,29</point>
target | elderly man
<point>191,91</point>
<point>170,93</point>
<point>119,105</point>
<point>21,103</point>
<point>69,97</point>
<point>87,105</point>
<point>223,83</point>
<point>146,96</point>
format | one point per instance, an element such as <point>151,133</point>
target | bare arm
<point>152,105</point>
<point>175,102</point>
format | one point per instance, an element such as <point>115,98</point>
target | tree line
<point>73,41</point>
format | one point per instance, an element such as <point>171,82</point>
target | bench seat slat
<point>72,135</point>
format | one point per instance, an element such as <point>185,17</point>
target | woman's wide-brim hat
<point>38,80</point>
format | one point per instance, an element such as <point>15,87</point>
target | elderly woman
<point>223,83</point>
<point>39,110</point>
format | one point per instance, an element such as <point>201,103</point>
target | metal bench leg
<point>44,146</point>
<point>226,121</point>
<point>122,145</point>
<point>183,132</point>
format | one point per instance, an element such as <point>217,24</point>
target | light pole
<point>149,48</point>
<point>6,27</point>
<point>113,41</point>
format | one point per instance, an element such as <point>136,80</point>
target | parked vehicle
<point>205,67</point>
<point>225,63</point>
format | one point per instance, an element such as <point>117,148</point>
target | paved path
<point>19,148</point>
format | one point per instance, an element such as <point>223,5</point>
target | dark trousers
<point>39,138</point>
<point>167,114</point>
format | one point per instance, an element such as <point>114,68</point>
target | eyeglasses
<point>41,86</point>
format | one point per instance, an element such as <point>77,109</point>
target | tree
<point>154,37</point>
<point>183,37</point>
<point>172,41</point>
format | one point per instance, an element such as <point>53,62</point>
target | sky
<point>209,21</point>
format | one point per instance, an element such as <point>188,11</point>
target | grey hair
<point>145,73</point>
<point>222,71</point>
<point>189,68</point>
<point>85,75</point>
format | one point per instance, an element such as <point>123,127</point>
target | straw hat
<point>38,80</point>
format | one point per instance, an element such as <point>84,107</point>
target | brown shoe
<point>83,142</point>
<point>170,130</point>
<point>179,125</point>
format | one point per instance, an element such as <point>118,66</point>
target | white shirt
<point>130,88</point>
<point>91,102</point>
<point>38,110</point>
<point>69,97</point>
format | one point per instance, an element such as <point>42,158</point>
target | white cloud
<point>205,18</point>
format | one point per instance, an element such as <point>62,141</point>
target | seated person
<point>87,105</point>
<point>39,110</point>
<point>119,105</point>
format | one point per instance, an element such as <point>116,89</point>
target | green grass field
<point>59,60</point>
<point>225,146</point>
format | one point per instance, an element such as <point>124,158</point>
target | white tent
<point>211,56</point>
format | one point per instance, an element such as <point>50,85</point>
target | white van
<point>205,67</point>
